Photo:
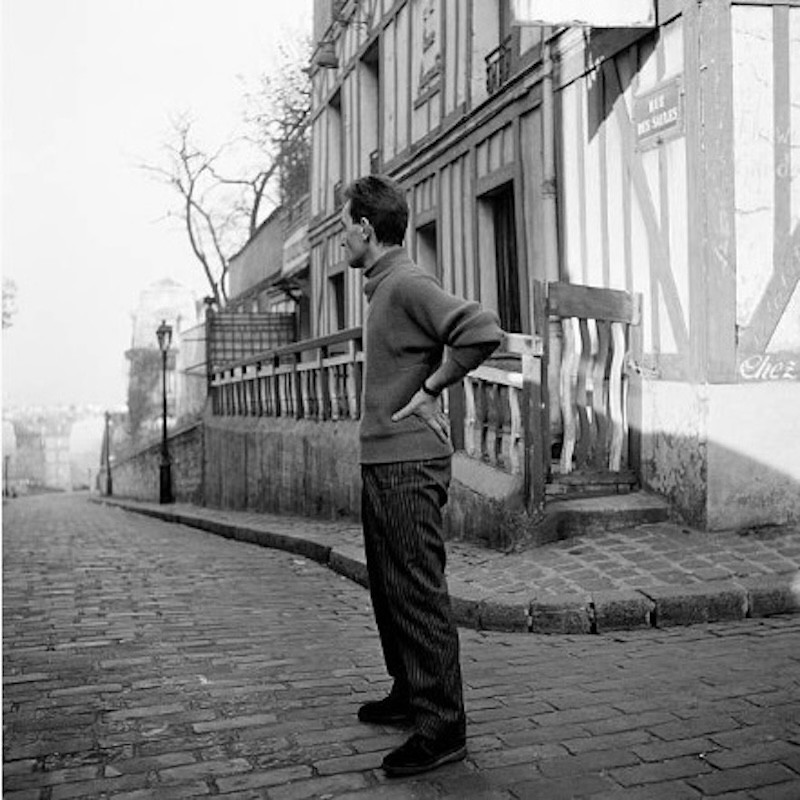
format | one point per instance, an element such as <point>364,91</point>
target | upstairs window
<point>370,109</point>
<point>335,147</point>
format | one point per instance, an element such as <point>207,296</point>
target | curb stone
<point>622,610</point>
<point>690,605</point>
<point>772,594</point>
<point>563,613</point>
<point>590,613</point>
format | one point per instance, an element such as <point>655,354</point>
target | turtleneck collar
<point>375,274</point>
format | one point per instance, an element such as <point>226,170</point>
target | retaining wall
<point>138,476</point>
<point>309,469</point>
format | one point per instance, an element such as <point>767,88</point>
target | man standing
<point>405,466</point>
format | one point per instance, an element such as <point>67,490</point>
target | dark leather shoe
<point>420,754</point>
<point>389,711</point>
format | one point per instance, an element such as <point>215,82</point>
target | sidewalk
<point>659,574</point>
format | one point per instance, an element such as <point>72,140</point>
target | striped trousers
<point>402,517</point>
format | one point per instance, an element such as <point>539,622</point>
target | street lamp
<point>164,334</point>
<point>109,487</point>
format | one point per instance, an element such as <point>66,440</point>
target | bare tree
<point>225,194</point>
<point>277,114</point>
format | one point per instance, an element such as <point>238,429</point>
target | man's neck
<point>375,252</point>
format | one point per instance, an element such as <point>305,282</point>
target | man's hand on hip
<point>428,409</point>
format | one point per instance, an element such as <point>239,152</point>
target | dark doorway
<point>507,265</point>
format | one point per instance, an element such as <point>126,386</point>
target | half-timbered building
<point>659,166</point>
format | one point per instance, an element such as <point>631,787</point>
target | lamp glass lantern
<point>164,334</point>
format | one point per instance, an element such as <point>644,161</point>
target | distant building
<point>51,448</point>
<point>168,301</point>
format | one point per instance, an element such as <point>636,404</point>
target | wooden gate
<point>596,353</point>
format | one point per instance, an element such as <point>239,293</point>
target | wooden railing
<point>504,413</point>
<point>498,66</point>
<point>315,379</point>
<point>496,414</point>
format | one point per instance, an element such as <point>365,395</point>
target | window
<point>370,107</point>
<point>337,302</point>
<point>506,262</point>
<point>426,249</point>
<point>335,143</point>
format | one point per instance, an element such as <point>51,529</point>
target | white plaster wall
<point>674,438</point>
<point>753,454</point>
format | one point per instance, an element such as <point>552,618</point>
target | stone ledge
<point>622,611</point>
<point>511,616</point>
<point>349,565</point>
<point>689,605</point>
<point>567,613</point>
<point>772,594</point>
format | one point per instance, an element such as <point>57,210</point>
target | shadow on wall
<point>715,486</point>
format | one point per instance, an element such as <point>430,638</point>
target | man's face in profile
<point>354,239</point>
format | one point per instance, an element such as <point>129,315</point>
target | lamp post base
<point>165,483</point>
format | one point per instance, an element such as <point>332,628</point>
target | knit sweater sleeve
<point>471,332</point>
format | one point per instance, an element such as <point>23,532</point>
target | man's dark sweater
<point>410,319</point>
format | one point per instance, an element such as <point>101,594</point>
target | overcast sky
<point>88,87</point>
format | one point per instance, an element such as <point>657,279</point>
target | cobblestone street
<point>150,660</point>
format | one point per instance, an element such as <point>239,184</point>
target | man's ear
<point>366,228</point>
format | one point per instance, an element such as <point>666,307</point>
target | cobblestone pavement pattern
<point>150,660</point>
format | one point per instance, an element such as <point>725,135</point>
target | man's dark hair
<point>383,203</point>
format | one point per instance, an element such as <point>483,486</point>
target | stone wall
<point>283,466</point>
<point>309,469</point>
<point>138,476</point>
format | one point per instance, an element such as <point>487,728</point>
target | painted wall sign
<point>658,114</point>
<point>767,367</point>
<point>428,48</point>
<point>608,14</point>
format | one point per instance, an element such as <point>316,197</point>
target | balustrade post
<point>457,411</point>
<point>275,387</point>
<point>240,409</point>
<point>333,390</point>
<point>258,385</point>
<point>350,381</point>
<point>297,389</point>
<point>470,417</point>
<point>323,389</point>
<point>305,398</point>
<point>358,377</point>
